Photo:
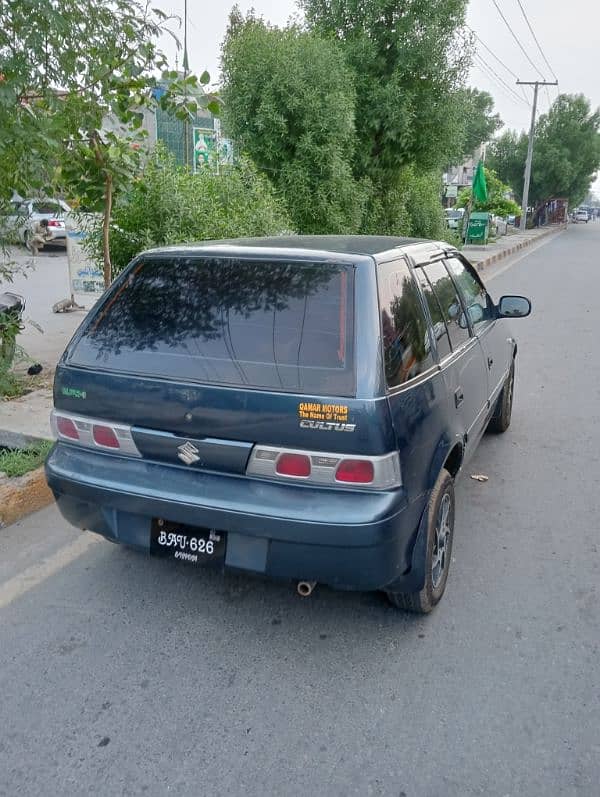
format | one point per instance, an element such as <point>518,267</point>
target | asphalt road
<point>121,675</point>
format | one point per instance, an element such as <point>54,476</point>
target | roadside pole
<point>536,84</point>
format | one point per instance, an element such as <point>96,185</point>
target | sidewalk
<point>44,282</point>
<point>27,418</point>
<point>484,256</point>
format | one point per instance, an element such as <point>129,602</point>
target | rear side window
<point>285,326</point>
<point>449,303</point>
<point>440,331</point>
<point>406,345</point>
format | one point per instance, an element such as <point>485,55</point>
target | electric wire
<point>535,38</point>
<point>516,38</point>
<point>484,66</point>
<point>499,60</point>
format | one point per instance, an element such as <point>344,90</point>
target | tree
<point>566,152</point>
<point>169,205</point>
<point>409,61</point>
<point>288,100</point>
<point>64,70</point>
<point>479,121</point>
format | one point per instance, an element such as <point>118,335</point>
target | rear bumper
<point>348,539</point>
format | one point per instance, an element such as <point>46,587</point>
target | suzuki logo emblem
<point>188,453</point>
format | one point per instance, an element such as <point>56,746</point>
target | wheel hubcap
<point>441,542</point>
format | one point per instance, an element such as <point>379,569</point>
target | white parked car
<point>582,215</point>
<point>28,212</point>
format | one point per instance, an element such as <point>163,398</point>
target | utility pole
<point>536,84</point>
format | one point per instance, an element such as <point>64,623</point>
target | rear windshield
<point>277,325</point>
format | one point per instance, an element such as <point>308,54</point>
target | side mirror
<point>514,307</point>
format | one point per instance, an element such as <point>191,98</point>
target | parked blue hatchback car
<point>297,407</point>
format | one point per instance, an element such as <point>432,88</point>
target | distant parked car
<point>29,211</point>
<point>582,215</point>
<point>453,217</point>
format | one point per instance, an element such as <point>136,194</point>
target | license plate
<point>191,544</point>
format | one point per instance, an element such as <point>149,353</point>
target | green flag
<point>480,193</point>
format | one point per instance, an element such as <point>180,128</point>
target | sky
<point>568,35</point>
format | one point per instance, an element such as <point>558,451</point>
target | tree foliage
<point>354,117</point>
<point>64,70</point>
<point>479,122</point>
<point>566,152</point>
<point>409,61</point>
<point>168,205</point>
<point>289,103</point>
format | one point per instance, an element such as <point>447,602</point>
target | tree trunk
<point>108,196</point>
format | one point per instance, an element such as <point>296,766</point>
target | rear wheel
<point>440,533</point>
<point>500,420</point>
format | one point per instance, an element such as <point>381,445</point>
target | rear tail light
<point>66,428</point>
<point>55,223</point>
<point>355,471</point>
<point>105,436</point>
<point>297,465</point>
<point>95,434</point>
<point>319,468</point>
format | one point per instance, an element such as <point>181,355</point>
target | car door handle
<point>458,396</point>
<point>490,362</point>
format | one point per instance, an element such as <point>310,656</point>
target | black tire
<point>500,420</point>
<point>440,521</point>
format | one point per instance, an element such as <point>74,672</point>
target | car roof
<point>353,245</point>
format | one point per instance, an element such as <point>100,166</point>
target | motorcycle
<point>11,323</point>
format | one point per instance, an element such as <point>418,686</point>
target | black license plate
<point>191,544</point>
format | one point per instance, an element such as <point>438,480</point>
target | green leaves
<point>167,204</point>
<point>566,152</point>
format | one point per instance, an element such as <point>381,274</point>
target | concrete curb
<point>23,495</point>
<point>485,263</point>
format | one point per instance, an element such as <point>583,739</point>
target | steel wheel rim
<point>439,559</point>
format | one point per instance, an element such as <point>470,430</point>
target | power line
<point>499,80</point>
<point>535,38</point>
<point>499,60</point>
<point>516,38</point>
<point>493,54</point>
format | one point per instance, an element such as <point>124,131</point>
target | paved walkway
<point>507,245</point>
<point>45,281</point>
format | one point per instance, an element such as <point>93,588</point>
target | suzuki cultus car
<point>296,407</point>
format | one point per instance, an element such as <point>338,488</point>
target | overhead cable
<point>535,38</point>
<point>516,38</point>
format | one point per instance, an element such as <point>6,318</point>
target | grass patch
<point>11,386</point>
<point>19,461</point>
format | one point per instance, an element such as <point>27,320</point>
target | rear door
<point>460,352</point>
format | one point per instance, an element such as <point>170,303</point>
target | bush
<point>168,205</point>
<point>411,205</point>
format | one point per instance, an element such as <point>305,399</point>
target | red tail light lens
<point>357,471</point>
<point>293,465</point>
<point>104,436</point>
<point>55,223</point>
<point>67,428</point>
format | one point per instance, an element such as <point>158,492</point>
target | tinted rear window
<point>276,325</point>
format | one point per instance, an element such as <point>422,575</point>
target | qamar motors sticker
<point>325,417</point>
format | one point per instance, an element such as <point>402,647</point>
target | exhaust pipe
<point>305,588</point>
